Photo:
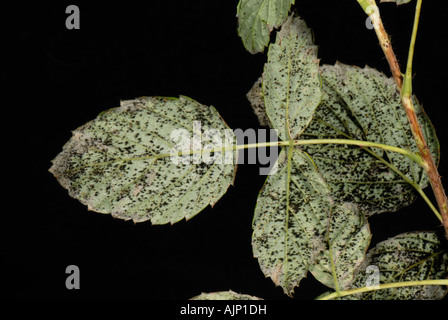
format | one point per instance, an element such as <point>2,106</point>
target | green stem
<point>439,282</point>
<point>413,156</point>
<point>426,199</point>
<point>406,98</point>
<point>365,4</point>
<point>407,83</point>
<point>414,184</point>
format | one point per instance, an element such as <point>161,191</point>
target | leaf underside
<point>293,207</point>
<point>348,239</point>
<point>413,256</point>
<point>120,162</point>
<point>290,220</point>
<point>291,84</point>
<point>363,104</point>
<point>357,104</point>
<point>298,227</point>
<point>256,19</point>
<point>225,295</point>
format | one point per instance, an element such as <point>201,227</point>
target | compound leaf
<point>290,219</point>
<point>123,162</point>
<point>257,18</point>
<point>348,239</point>
<point>291,83</point>
<point>364,104</point>
<point>412,256</point>
<point>225,295</point>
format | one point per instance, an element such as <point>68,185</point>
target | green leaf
<point>347,242</point>
<point>364,104</point>
<point>291,83</point>
<point>290,219</point>
<point>411,256</point>
<point>225,295</point>
<point>124,162</point>
<point>257,18</point>
<point>399,2</point>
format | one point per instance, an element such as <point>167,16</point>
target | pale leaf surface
<point>347,242</point>
<point>412,256</point>
<point>120,162</point>
<point>225,295</point>
<point>290,220</point>
<point>291,82</point>
<point>364,104</point>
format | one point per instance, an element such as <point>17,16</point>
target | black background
<point>63,78</point>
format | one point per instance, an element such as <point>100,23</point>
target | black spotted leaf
<point>412,256</point>
<point>290,219</point>
<point>363,104</point>
<point>352,103</point>
<point>225,295</point>
<point>348,238</point>
<point>123,162</point>
<point>256,19</point>
<point>291,83</point>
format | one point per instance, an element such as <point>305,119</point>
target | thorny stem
<point>405,88</point>
<point>372,11</point>
<point>384,286</point>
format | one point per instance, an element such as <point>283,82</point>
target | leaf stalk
<point>362,144</point>
<point>441,282</point>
